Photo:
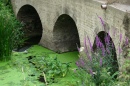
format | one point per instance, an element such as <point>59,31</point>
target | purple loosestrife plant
<point>90,44</point>
<point>86,48</point>
<point>85,45</point>
<point>102,22</point>
<point>97,42</point>
<point>100,60</point>
<point>103,51</point>
<point>108,51</point>
<point>91,71</point>
<point>100,45</point>
<point>80,63</point>
<point>107,39</point>
<point>77,63</point>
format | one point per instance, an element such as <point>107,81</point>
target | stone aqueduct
<point>67,22</point>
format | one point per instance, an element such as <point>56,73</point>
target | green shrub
<point>11,34</point>
<point>84,77</point>
<point>51,67</point>
<point>124,77</point>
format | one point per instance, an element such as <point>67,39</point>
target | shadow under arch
<point>104,37</point>
<point>28,15</point>
<point>65,34</point>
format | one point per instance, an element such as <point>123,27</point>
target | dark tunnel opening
<point>66,34</point>
<point>32,24</point>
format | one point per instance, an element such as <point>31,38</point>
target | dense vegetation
<point>99,66</point>
<point>11,35</point>
<point>96,69</point>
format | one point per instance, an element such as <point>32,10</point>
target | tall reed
<point>11,34</point>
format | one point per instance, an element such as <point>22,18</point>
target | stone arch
<point>65,34</point>
<point>105,38</point>
<point>29,16</point>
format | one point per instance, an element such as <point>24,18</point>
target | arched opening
<point>65,34</point>
<point>103,44</point>
<point>32,24</point>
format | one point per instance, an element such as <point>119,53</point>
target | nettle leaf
<point>57,71</point>
<point>60,65</point>
<point>49,63</point>
<point>50,71</point>
<point>45,69</point>
<point>53,66</point>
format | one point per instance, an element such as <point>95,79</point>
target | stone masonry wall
<point>85,14</point>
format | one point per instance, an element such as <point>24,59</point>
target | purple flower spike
<point>112,44</point>
<point>101,21</point>
<point>100,61</point>
<point>82,62</point>
<point>97,42</point>
<point>107,39</point>
<point>100,44</point>
<point>108,51</point>
<point>91,72</point>
<point>77,63</point>
<point>103,51</point>
<point>90,44</point>
<point>90,58</point>
<point>86,50</point>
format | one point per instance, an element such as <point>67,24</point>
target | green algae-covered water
<point>18,71</point>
